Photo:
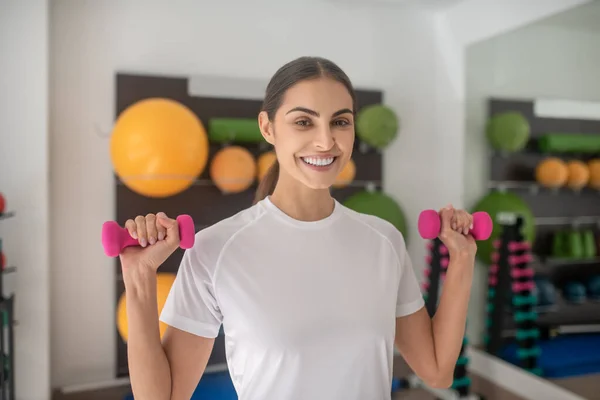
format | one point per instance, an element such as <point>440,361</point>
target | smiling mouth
<point>318,161</point>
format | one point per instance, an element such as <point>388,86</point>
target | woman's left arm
<point>431,346</point>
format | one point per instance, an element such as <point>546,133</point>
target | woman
<point>312,295</point>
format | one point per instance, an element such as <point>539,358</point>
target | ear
<point>266,127</point>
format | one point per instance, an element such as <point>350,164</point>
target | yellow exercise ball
<point>158,147</point>
<point>265,160</point>
<point>579,174</point>
<point>164,282</point>
<point>594,169</point>
<point>233,169</point>
<point>346,175</point>
<point>552,172</point>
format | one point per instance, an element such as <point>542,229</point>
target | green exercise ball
<point>508,131</point>
<point>380,205</point>
<point>495,203</point>
<point>377,125</point>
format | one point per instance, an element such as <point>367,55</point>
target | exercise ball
<point>578,174</point>
<point>508,131</point>
<point>264,162</point>
<point>552,172</point>
<point>158,147</point>
<point>594,169</point>
<point>593,287</point>
<point>380,205</point>
<point>495,203</point>
<point>164,281</point>
<point>233,169</point>
<point>377,125</point>
<point>346,175</point>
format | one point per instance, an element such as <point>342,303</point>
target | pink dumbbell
<point>523,258</point>
<point>493,269</point>
<point>523,286</point>
<point>522,273</point>
<point>443,262</point>
<point>429,225</point>
<point>115,238</point>
<point>492,281</point>
<point>514,246</point>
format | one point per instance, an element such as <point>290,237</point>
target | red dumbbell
<point>115,238</point>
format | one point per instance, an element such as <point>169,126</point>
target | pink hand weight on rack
<point>429,225</point>
<point>116,238</point>
<point>522,273</point>
<point>523,286</point>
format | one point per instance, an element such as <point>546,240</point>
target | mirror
<point>533,163</point>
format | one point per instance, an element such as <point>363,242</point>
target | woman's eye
<point>341,122</point>
<point>303,122</point>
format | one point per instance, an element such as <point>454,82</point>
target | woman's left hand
<point>454,232</point>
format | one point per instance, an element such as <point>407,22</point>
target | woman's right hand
<point>158,236</point>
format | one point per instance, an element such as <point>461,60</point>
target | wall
<point>536,61</point>
<point>378,47</point>
<point>24,183</point>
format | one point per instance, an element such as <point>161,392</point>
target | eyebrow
<point>316,114</point>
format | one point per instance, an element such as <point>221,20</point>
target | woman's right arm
<point>172,369</point>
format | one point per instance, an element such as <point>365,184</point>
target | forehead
<point>322,95</point>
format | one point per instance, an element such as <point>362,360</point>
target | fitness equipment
<point>346,175</point>
<point>380,205</point>
<point>115,238</point>
<point>593,288</point>
<point>574,244</point>
<point>240,130</point>
<point>435,273</point>
<point>511,278</point>
<point>495,203</point>
<point>552,173</point>
<point>594,170</point>
<point>158,147</point>
<point>430,225</point>
<point>578,174</point>
<point>508,131</point>
<point>264,162</point>
<point>569,143</point>
<point>574,292</point>
<point>377,125</point>
<point>545,292</point>
<point>233,169</point>
<point>164,282</point>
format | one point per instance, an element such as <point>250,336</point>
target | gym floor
<point>479,385</point>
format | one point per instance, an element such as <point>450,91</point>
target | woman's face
<point>312,132</point>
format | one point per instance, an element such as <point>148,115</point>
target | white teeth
<point>320,162</point>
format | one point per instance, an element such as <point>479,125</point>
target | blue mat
<point>213,386</point>
<point>563,356</point>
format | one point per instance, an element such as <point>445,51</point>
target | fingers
<point>151,229</point>
<point>446,217</point>
<point>457,220</point>
<point>142,234</point>
<point>131,228</point>
<point>171,228</point>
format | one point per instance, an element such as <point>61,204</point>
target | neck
<point>301,202</point>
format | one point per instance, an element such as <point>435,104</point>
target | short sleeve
<point>410,298</point>
<point>191,305</point>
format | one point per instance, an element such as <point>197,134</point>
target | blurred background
<point>493,106</point>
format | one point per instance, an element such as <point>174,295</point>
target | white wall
<point>535,61</point>
<point>24,183</point>
<point>90,41</point>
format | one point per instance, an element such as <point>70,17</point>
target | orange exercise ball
<point>594,169</point>
<point>579,174</point>
<point>265,160</point>
<point>346,175</point>
<point>552,172</point>
<point>158,147</point>
<point>233,169</point>
<point>164,282</point>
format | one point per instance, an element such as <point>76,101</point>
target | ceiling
<point>435,5</point>
<point>582,18</point>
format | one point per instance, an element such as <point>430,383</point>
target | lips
<point>319,161</point>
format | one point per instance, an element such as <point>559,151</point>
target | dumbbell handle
<point>430,225</point>
<point>115,238</point>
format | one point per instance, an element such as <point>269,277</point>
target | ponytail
<point>267,183</point>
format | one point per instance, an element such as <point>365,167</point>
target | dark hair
<point>295,71</point>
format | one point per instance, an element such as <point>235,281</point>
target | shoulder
<point>379,226</point>
<point>210,241</point>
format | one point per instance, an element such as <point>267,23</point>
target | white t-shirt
<point>308,308</point>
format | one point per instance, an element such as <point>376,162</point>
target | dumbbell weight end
<point>116,238</point>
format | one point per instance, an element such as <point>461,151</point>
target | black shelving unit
<point>7,361</point>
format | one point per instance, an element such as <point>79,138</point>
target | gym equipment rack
<point>7,361</point>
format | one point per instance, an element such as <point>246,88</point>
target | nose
<point>324,138</point>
